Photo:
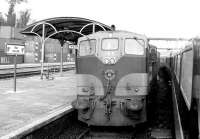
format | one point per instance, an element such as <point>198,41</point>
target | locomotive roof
<point>114,33</point>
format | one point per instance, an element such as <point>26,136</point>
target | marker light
<point>136,90</point>
<point>112,61</point>
<point>106,60</point>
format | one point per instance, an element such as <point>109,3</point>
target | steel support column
<point>93,28</point>
<point>62,42</point>
<point>198,107</point>
<point>61,60</point>
<point>43,47</point>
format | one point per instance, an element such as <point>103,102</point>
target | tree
<point>2,20</point>
<point>16,1</point>
<point>23,19</point>
<point>11,16</point>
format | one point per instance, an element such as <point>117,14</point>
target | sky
<point>154,18</point>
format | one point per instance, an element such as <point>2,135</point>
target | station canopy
<point>64,28</point>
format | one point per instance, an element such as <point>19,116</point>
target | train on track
<point>113,70</point>
<point>185,66</point>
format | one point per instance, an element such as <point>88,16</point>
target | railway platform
<point>33,100</point>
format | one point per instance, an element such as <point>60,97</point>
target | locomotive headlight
<point>109,61</point>
<point>109,74</point>
<point>136,89</point>
<point>106,61</point>
<point>112,61</point>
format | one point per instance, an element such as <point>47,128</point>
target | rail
<point>19,66</point>
<point>177,121</point>
<point>82,135</point>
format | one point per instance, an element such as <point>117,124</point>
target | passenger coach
<point>186,67</point>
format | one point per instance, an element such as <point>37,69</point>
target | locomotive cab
<point>112,79</point>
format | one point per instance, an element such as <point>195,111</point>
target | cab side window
<point>87,47</point>
<point>134,46</point>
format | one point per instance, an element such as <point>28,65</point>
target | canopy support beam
<point>62,42</point>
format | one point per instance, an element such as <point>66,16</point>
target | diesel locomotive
<point>112,78</point>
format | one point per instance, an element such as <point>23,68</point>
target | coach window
<point>110,44</point>
<point>134,46</point>
<point>87,47</point>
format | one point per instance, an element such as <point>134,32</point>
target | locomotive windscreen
<point>110,44</point>
<point>133,46</point>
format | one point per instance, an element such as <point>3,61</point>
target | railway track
<point>115,133</point>
<point>64,125</point>
<point>35,69</point>
<point>88,134</point>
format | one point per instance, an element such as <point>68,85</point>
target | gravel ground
<point>160,101</point>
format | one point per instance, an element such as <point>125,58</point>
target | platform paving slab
<point>34,99</point>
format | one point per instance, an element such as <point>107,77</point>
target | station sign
<point>15,49</point>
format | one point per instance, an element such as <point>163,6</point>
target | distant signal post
<point>15,49</point>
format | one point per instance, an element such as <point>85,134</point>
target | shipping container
<point>32,51</point>
<point>9,59</point>
<point>33,48</point>
<point>53,51</point>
